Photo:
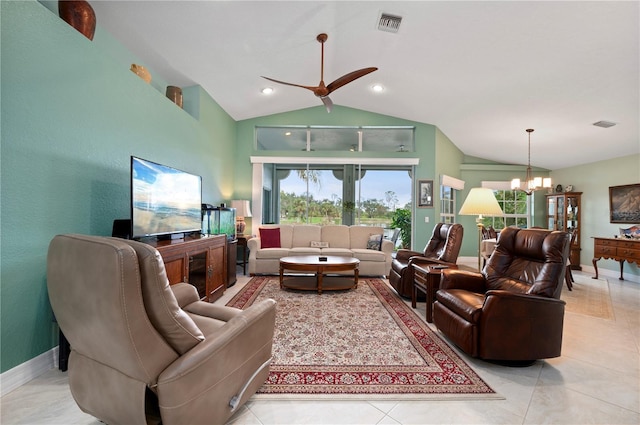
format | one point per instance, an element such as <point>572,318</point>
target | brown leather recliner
<point>512,310</point>
<point>143,351</point>
<point>442,248</point>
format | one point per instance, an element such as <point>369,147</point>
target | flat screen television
<point>164,200</point>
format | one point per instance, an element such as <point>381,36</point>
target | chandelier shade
<point>531,183</point>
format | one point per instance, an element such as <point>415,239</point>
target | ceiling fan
<point>323,91</point>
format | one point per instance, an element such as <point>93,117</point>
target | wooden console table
<point>619,249</point>
<point>198,260</point>
<point>427,279</point>
<point>242,243</point>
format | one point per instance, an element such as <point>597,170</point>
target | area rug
<point>361,343</point>
<point>589,297</point>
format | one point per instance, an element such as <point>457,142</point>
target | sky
<point>374,185</point>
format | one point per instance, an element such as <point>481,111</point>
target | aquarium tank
<point>219,221</point>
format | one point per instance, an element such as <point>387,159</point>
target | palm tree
<point>312,176</point>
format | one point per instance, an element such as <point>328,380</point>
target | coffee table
<point>312,263</point>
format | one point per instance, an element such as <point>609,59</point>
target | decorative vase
<point>175,94</point>
<point>141,72</point>
<point>80,15</point>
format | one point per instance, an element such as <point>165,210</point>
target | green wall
<point>430,144</point>
<point>72,115</point>
<point>593,180</point>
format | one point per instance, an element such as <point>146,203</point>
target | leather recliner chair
<point>512,310</point>
<point>143,351</point>
<point>442,248</point>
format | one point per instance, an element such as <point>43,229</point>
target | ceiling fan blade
<point>347,78</point>
<point>312,88</point>
<point>327,103</point>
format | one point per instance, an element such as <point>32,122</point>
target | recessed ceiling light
<point>267,90</point>
<point>377,88</point>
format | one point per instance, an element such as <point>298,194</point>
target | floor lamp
<point>480,201</point>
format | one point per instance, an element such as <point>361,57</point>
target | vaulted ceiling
<point>482,71</point>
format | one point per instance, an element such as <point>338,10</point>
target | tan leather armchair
<point>512,310</point>
<point>143,351</point>
<point>442,248</point>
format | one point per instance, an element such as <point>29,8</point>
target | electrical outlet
<point>426,219</point>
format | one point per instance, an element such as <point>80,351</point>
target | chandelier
<point>531,183</point>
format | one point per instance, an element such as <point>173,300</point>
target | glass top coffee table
<point>320,267</point>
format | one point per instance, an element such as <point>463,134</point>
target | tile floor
<point>596,381</point>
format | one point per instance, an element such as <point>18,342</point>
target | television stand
<point>198,260</point>
<point>167,237</point>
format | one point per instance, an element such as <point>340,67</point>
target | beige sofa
<point>346,241</point>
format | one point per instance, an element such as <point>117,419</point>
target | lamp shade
<point>242,208</point>
<point>481,201</point>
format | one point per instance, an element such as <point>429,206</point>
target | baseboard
<point>610,274</point>
<point>25,372</point>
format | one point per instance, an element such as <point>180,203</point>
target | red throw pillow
<point>270,238</point>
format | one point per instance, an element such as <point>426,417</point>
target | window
<point>345,139</point>
<point>340,194</point>
<point>515,205</point>
<point>310,195</point>
<point>447,204</point>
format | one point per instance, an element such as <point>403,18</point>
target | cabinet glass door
<point>572,213</point>
<point>198,273</point>
<point>561,214</point>
<point>551,213</point>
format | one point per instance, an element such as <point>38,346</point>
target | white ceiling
<point>481,71</point>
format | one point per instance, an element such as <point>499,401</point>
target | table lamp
<point>242,211</point>
<point>480,201</point>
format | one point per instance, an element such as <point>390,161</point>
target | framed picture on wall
<point>425,194</point>
<point>624,204</point>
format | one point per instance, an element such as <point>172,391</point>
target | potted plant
<point>401,219</point>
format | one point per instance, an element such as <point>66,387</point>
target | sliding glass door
<point>340,194</point>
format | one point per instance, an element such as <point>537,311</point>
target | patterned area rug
<point>360,343</point>
<point>589,297</point>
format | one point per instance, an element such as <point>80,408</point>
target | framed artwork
<point>425,193</point>
<point>624,203</point>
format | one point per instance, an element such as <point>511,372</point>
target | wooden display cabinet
<point>563,213</point>
<point>198,260</point>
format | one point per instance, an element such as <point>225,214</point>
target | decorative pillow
<point>375,242</point>
<point>270,238</point>
<point>316,244</point>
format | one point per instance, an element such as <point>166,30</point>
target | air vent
<point>389,23</point>
<point>604,124</point>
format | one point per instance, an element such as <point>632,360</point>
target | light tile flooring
<point>596,381</point>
